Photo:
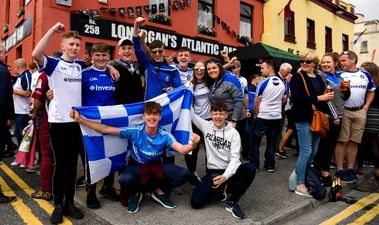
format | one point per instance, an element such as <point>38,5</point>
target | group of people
<point>229,114</point>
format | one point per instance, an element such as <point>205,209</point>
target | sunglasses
<point>306,61</point>
<point>199,68</point>
<point>157,51</point>
<point>233,67</point>
<point>345,53</point>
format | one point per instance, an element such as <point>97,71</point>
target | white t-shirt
<point>65,79</point>
<point>35,76</point>
<point>185,76</point>
<point>201,102</point>
<point>360,82</point>
<point>21,103</point>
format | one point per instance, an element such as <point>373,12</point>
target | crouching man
<point>150,141</point>
<point>224,173</point>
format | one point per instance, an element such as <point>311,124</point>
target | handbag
<point>320,123</point>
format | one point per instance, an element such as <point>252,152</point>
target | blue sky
<point>369,8</point>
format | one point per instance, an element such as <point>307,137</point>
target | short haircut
<point>350,55</point>
<point>184,49</point>
<point>237,63</point>
<point>152,107</point>
<point>219,107</point>
<point>156,44</point>
<point>33,66</point>
<point>21,62</point>
<point>71,34</point>
<point>270,63</point>
<point>252,77</point>
<point>100,47</point>
<point>285,66</point>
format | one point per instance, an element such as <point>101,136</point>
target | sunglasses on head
<point>202,68</point>
<point>155,51</point>
<point>306,61</point>
<point>345,53</point>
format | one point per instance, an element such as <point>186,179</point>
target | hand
<point>326,97</point>
<point>366,107</point>
<point>195,138</point>
<point>74,114</point>
<point>248,114</point>
<point>139,21</point>
<point>170,59</point>
<point>50,94</point>
<point>167,89</point>
<point>142,35</point>
<point>224,53</point>
<point>113,72</point>
<point>217,181</point>
<point>58,28</point>
<point>233,59</point>
<point>337,121</point>
<point>87,59</point>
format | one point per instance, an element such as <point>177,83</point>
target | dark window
<point>289,27</point>
<point>364,47</point>
<point>205,23</point>
<point>311,34</point>
<point>328,40</point>
<point>345,42</point>
<point>245,20</point>
<point>19,52</point>
<point>159,11</point>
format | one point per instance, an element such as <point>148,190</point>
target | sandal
<point>42,195</point>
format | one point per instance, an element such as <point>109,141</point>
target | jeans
<point>174,177</point>
<point>21,121</point>
<point>270,128</point>
<point>236,185</point>
<point>308,143</point>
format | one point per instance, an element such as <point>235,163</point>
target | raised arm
<point>40,48</point>
<point>102,128</point>
<point>184,149</point>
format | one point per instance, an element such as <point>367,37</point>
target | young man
<point>150,142</point>
<point>184,58</point>
<point>225,173</point>
<point>160,77</point>
<point>65,79</point>
<point>98,89</point>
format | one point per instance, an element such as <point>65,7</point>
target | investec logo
<point>102,88</point>
<point>68,79</point>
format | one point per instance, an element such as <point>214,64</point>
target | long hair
<point>218,63</point>
<point>194,80</point>
<point>373,69</point>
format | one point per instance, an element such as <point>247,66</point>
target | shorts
<point>353,126</point>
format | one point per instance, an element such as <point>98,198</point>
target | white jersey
<point>35,76</point>
<point>65,79</point>
<point>271,91</point>
<point>360,82</point>
<point>185,76</point>
<point>201,102</point>
<point>21,103</point>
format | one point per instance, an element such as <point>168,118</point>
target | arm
<point>142,57</point>
<point>40,48</point>
<point>197,120</point>
<point>246,97</point>
<point>36,108</point>
<point>257,102</point>
<point>113,72</point>
<point>184,149</point>
<point>369,98</point>
<point>22,92</point>
<point>102,128</point>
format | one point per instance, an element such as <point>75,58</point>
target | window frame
<point>345,42</point>
<point>311,34</point>
<point>328,39</point>
<point>289,29</point>
<point>202,4</point>
<point>248,17</point>
<point>364,47</point>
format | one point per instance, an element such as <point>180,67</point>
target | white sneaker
<point>303,193</point>
<point>14,163</point>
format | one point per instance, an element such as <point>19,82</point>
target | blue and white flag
<point>107,153</point>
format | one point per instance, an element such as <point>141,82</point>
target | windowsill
<point>363,52</point>
<point>167,23</point>
<point>311,45</point>
<point>208,34</point>
<point>20,20</point>
<point>290,38</point>
<point>329,50</point>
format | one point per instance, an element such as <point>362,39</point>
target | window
<point>328,40</point>
<point>289,27</point>
<point>345,42</point>
<point>311,34</point>
<point>245,20</point>
<point>159,11</point>
<point>364,47</point>
<point>205,17</point>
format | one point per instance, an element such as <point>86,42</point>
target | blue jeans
<point>308,143</point>
<point>174,177</point>
<point>270,128</point>
<point>21,121</point>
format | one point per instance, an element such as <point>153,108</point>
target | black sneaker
<point>163,200</point>
<point>235,209</point>
<point>109,193</point>
<point>57,215</point>
<point>269,169</point>
<point>281,154</point>
<point>344,176</point>
<point>326,181</point>
<point>81,182</point>
<point>133,205</point>
<point>7,199</point>
<point>92,201</point>
<point>72,211</point>
<point>353,175</point>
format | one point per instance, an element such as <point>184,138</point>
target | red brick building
<point>205,26</point>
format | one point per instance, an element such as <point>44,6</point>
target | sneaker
<point>33,169</point>
<point>326,181</point>
<point>270,169</point>
<point>344,176</point>
<point>368,164</point>
<point>57,215</point>
<point>109,193</point>
<point>7,199</point>
<point>194,179</point>
<point>14,163</point>
<point>333,165</point>
<point>92,201</point>
<point>81,182</point>
<point>163,200</point>
<point>134,201</point>
<point>235,209</point>
<point>352,175</point>
<point>72,211</point>
<point>302,193</point>
<point>281,154</point>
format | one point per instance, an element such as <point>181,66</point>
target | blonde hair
<point>311,55</point>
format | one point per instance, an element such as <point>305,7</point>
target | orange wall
<point>184,22</point>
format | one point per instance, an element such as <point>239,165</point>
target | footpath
<point>267,201</point>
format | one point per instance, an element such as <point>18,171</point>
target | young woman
<point>303,113</point>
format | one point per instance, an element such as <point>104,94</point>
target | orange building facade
<point>205,26</point>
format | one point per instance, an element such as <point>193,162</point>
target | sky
<point>369,8</point>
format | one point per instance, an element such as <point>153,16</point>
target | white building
<point>367,46</point>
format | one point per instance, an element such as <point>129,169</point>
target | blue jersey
<point>147,149</point>
<point>97,87</point>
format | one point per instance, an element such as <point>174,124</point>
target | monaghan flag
<point>107,154</point>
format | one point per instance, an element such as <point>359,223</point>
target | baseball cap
<point>124,41</point>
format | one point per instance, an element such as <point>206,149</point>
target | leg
<point>46,168</point>
<point>202,193</point>
<point>241,181</point>
<point>175,177</point>
<point>259,130</point>
<point>272,134</point>
<point>305,138</point>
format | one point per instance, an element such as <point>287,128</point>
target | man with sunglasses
<point>354,118</point>
<point>160,77</point>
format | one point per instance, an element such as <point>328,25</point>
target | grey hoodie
<point>222,146</point>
